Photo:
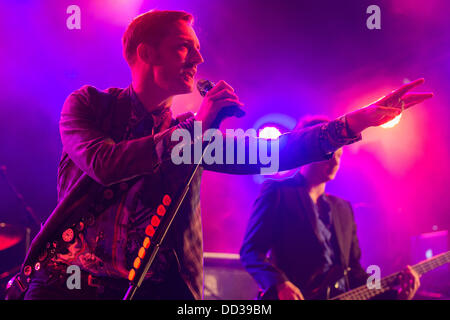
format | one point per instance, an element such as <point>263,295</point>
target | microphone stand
<point>162,230</point>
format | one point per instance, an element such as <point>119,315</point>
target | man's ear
<point>146,53</point>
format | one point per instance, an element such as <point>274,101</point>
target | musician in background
<point>311,237</point>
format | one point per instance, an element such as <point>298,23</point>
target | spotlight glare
<point>269,133</point>
<point>392,123</point>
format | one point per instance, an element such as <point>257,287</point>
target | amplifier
<point>226,279</point>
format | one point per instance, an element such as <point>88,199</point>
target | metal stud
<point>27,270</point>
<point>68,235</point>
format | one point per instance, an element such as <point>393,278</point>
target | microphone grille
<point>204,86</point>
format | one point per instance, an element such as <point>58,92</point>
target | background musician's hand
<point>409,283</point>
<point>288,291</point>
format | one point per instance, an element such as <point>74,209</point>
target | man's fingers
<point>409,105</point>
<point>417,283</point>
<point>297,295</point>
<point>397,94</point>
<point>409,283</point>
<point>412,278</point>
<point>228,103</point>
<point>416,278</point>
<point>405,88</point>
<point>415,98</point>
<point>223,94</point>
<point>221,85</point>
<point>412,97</point>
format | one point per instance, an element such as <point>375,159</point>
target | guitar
<point>325,288</point>
<point>387,283</point>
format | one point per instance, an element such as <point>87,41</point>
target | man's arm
<point>290,150</point>
<point>97,154</point>
<point>314,144</point>
<point>259,238</point>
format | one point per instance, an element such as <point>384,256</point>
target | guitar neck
<point>364,293</point>
<point>432,263</point>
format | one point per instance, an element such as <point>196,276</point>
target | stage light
<point>392,123</point>
<point>281,121</point>
<point>269,133</point>
<point>271,126</point>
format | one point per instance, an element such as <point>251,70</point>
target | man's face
<point>324,171</point>
<point>177,58</point>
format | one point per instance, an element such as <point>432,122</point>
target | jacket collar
<point>139,110</point>
<point>306,201</point>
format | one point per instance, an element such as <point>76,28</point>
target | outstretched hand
<point>386,108</point>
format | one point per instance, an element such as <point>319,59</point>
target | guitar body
<point>322,286</point>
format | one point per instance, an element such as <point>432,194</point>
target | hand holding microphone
<point>220,102</point>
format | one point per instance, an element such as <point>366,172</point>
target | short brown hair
<point>150,27</point>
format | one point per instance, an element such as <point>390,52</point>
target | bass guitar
<point>325,289</point>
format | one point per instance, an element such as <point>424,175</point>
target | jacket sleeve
<point>290,150</point>
<point>97,154</point>
<point>259,239</point>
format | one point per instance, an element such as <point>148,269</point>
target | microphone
<point>204,86</point>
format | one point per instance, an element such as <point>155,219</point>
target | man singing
<point>116,167</point>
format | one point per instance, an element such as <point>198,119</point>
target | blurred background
<point>285,59</point>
